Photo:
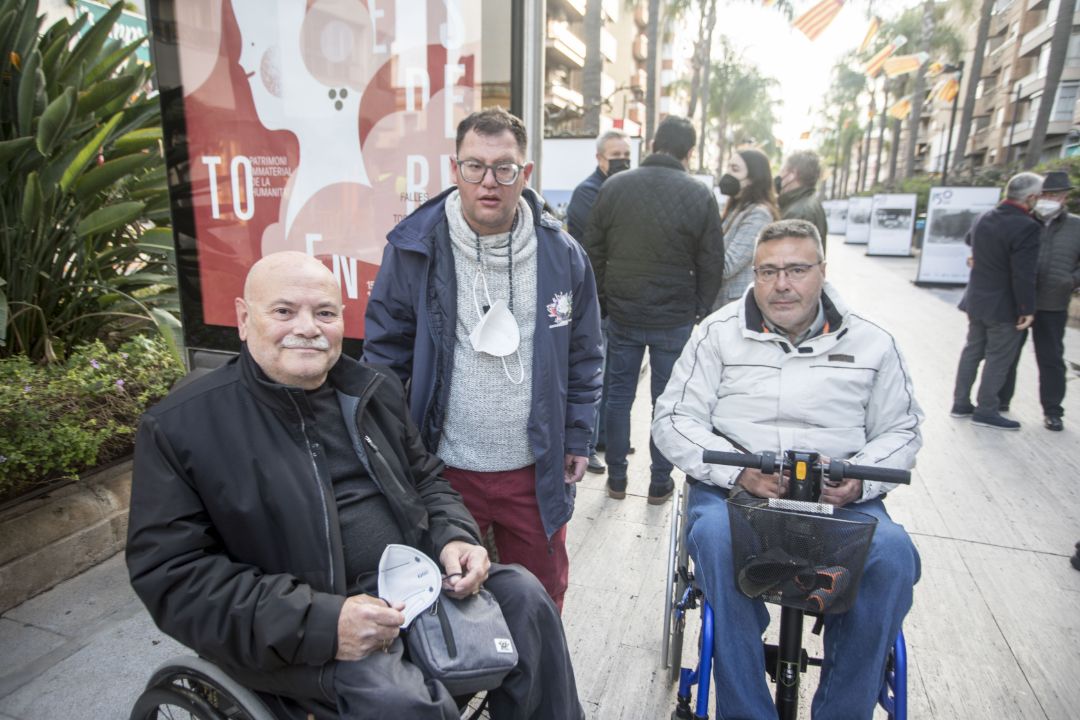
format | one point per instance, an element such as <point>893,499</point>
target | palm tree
<point>594,66</point>
<point>974,76</point>
<point>914,119</point>
<point>740,103</point>
<point>1059,45</point>
<point>652,32</point>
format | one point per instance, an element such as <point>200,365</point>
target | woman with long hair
<point>751,206</point>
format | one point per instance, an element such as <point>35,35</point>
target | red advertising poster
<point>316,126</point>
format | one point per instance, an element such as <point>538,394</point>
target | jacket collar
<point>793,196</point>
<point>753,321</point>
<point>347,376</point>
<point>417,231</point>
<point>660,159</point>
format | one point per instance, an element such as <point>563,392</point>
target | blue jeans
<point>856,642</point>
<point>625,351</point>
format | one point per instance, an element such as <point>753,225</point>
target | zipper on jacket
<point>318,481</point>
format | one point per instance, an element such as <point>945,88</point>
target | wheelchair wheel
<point>678,577</point>
<point>194,688</point>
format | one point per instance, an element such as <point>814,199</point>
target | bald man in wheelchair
<point>789,366</point>
<point>264,494</point>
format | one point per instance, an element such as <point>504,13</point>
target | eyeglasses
<point>794,273</point>
<point>473,171</point>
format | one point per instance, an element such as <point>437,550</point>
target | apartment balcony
<point>1032,84</point>
<point>986,104</point>
<point>1023,131</point>
<point>1037,4</point>
<point>998,58</point>
<point>980,140</point>
<point>563,46</point>
<point>1038,36</point>
<point>564,98</point>
<point>999,23</point>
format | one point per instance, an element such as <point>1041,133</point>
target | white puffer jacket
<point>737,387</point>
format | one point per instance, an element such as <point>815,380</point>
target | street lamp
<point>959,70</point>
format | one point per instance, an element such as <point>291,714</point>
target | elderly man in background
<point>999,300</point>
<point>796,188</point>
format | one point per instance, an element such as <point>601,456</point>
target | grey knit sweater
<point>487,417</point>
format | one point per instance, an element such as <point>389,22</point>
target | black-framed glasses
<point>794,273</point>
<point>473,171</point>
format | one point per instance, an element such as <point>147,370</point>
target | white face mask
<point>1047,208</point>
<point>409,576</point>
<point>497,333</point>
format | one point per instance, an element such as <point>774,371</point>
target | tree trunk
<point>881,132</point>
<point>915,118</point>
<point>894,153</point>
<point>594,66</point>
<point>837,193</point>
<point>974,77</point>
<point>652,72</point>
<point>705,72</point>
<point>698,63</point>
<point>1059,45</point>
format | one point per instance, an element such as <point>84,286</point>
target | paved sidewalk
<point>994,632</point>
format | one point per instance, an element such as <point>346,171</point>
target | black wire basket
<point>802,555</point>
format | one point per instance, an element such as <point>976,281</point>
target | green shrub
<point>61,419</point>
<point>85,248</point>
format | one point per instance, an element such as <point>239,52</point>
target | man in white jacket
<point>789,367</point>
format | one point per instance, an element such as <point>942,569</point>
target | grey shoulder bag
<point>465,644</point>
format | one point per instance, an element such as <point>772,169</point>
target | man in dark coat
<point>657,249</point>
<point>797,191</point>
<point>263,496</point>
<point>1057,278</point>
<point>1000,299</point>
<point>612,156</point>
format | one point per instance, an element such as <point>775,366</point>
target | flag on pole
<point>904,64</point>
<point>871,32</point>
<point>901,109</point>
<point>874,64</point>
<point>768,3</point>
<point>947,90</point>
<point>814,21</point>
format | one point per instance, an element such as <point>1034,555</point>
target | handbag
<point>465,644</point>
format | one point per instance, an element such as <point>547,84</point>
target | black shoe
<point>659,494</point>
<point>595,466</point>
<point>616,489</point>
<point>1075,560</point>
<point>994,420</point>
<point>960,410</point>
<point>1053,423</point>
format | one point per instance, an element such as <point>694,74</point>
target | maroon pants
<point>506,501</point>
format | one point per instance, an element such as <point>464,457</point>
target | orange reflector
<point>800,471</point>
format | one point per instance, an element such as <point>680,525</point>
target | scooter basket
<point>802,555</point>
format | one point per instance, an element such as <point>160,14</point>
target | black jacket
<point>233,541</point>
<point>656,246</point>
<point>1059,263</point>
<point>803,204</point>
<point>581,204</point>
<point>1004,249</point>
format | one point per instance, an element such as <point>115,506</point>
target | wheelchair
<point>787,660</point>
<point>191,688</point>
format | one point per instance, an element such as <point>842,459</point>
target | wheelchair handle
<point>834,470</point>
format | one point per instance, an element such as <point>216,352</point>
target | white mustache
<point>295,341</point>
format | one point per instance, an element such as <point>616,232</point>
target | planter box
<point>48,539</point>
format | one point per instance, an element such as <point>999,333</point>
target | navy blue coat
<point>409,326</point>
<point>581,202</point>
<point>1005,250</point>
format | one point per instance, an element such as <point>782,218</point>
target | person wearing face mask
<point>487,311</point>
<point>1057,278</point>
<point>752,206</point>
<point>796,186</point>
<point>657,249</point>
<point>999,299</point>
<point>612,156</point>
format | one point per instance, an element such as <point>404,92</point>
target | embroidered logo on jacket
<point>560,309</point>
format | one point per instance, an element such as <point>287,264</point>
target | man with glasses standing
<point>790,367</point>
<point>488,310</point>
<point>656,245</point>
